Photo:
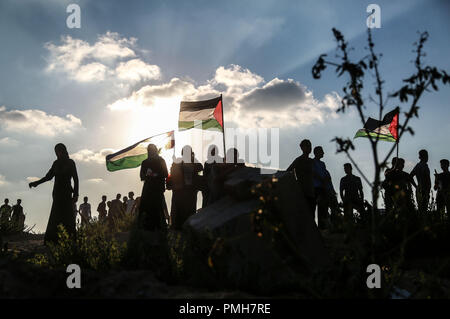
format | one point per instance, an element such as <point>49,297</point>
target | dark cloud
<point>14,116</point>
<point>277,94</point>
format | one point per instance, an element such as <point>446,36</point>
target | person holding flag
<point>153,173</point>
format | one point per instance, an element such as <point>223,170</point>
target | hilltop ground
<point>21,279</point>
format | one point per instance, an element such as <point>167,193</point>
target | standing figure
<point>101,209</point>
<point>442,186</point>
<point>323,188</point>
<point>402,184</point>
<point>125,204</point>
<point>152,203</point>
<point>302,167</point>
<point>85,212</point>
<point>212,189</point>
<point>5,215</point>
<point>115,211</point>
<point>422,173</point>
<point>130,204</point>
<point>18,217</point>
<point>351,192</point>
<point>184,182</point>
<point>64,195</point>
<point>388,186</point>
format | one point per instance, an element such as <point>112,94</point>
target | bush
<point>93,247</point>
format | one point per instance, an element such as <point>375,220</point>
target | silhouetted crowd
<point>317,187</point>
<point>185,181</point>
<point>12,218</point>
<point>109,212</point>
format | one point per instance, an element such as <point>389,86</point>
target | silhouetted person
<point>442,186</point>
<point>116,210</point>
<point>422,173</point>
<point>302,167</point>
<point>130,203</point>
<point>322,183</point>
<point>85,211</point>
<point>232,163</point>
<point>351,192</point>
<point>109,205</point>
<point>212,187</point>
<point>5,215</point>
<point>184,182</point>
<point>402,184</point>
<point>101,209</point>
<point>125,204</point>
<point>64,195</point>
<point>18,217</point>
<point>388,186</point>
<point>152,204</point>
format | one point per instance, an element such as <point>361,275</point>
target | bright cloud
<point>7,141</point>
<point>149,94</point>
<point>38,122</point>
<point>94,180</point>
<point>100,61</point>
<point>89,156</point>
<point>3,181</point>
<point>237,76</point>
<point>250,100</point>
<point>136,70</point>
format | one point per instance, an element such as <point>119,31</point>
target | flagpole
<point>223,127</point>
<point>397,148</point>
<point>398,137</point>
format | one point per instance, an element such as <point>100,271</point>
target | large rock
<point>234,250</point>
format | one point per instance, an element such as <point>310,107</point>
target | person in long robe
<point>212,189</point>
<point>152,203</point>
<point>185,184</point>
<point>64,195</point>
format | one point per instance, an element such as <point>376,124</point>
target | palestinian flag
<point>206,115</point>
<point>386,130</point>
<point>133,155</point>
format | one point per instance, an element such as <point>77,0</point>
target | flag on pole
<point>204,115</point>
<point>386,130</point>
<point>133,155</point>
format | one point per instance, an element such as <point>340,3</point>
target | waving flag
<point>386,130</point>
<point>133,155</point>
<point>204,115</point>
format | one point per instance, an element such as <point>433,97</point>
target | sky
<point>120,77</point>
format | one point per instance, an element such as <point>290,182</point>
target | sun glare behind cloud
<point>149,121</point>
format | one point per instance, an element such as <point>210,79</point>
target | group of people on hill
<point>108,211</point>
<point>12,218</point>
<point>398,185</point>
<point>185,181</point>
<point>317,187</point>
<point>151,209</point>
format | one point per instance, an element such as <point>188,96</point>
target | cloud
<point>248,99</point>
<point>94,180</point>
<point>283,103</point>
<point>90,72</point>
<point>236,76</point>
<point>103,60</point>
<point>136,70</point>
<point>38,122</point>
<point>32,179</point>
<point>277,94</point>
<point>148,95</point>
<point>3,181</point>
<point>7,141</point>
<point>88,156</point>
